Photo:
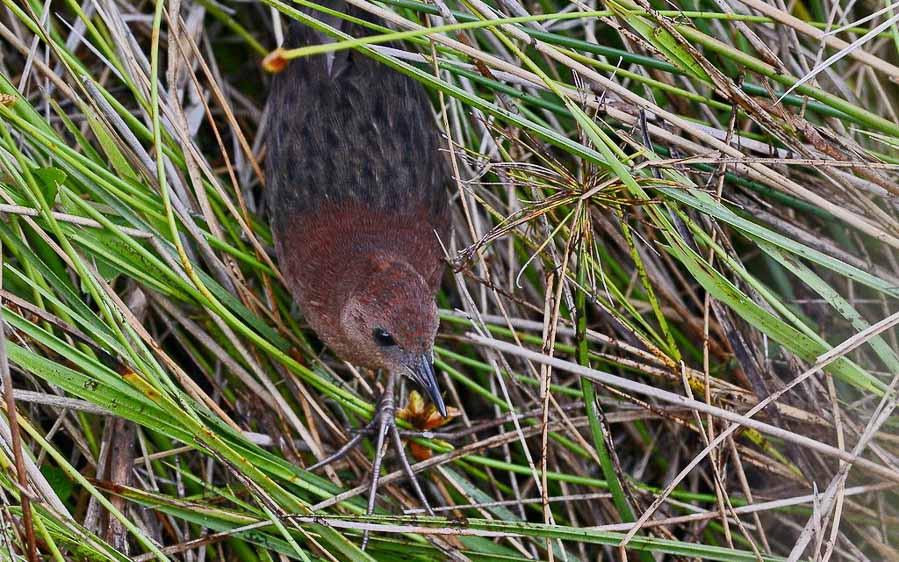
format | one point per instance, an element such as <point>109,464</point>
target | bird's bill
<point>423,373</point>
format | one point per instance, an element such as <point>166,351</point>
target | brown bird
<point>357,187</point>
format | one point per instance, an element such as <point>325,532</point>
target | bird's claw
<point>382,424</point>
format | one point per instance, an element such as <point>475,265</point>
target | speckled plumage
<point>362,132</point>
<point>356,183</point>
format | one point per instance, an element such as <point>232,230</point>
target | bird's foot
<point>382,424</point>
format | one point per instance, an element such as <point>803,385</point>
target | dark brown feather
<point>346,128</point>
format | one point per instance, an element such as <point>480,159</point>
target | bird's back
<point>345,129</point>
<point>355,175</point>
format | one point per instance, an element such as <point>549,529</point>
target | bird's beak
<point>423,373</point>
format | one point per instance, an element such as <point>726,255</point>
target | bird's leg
<point>407,468</point>
<point>385,418</point>
<point>383,422</point>
<point>387,424</point>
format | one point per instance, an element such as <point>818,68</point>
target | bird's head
<point>389,322</point>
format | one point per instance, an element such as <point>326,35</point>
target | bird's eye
<point>383,338</point>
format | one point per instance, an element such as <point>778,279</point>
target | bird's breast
<point>323,254</point>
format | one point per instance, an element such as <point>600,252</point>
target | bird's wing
<point>345,128</point>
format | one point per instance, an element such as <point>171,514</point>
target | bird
<point>356,180</point>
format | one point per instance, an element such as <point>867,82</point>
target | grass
<point>669,328</point>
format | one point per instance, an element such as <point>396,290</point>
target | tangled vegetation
<point>668,332</point>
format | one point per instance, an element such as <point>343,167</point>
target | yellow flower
<point>423,417</point>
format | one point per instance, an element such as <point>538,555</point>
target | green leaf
<point>661,39</point>
<point>58,480</point>
<point>116,159</point>
<point>704,203</point>
<point>119,257</point>
<point>841,305</point>
<point>49,180</point>
<point>798,343</point>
